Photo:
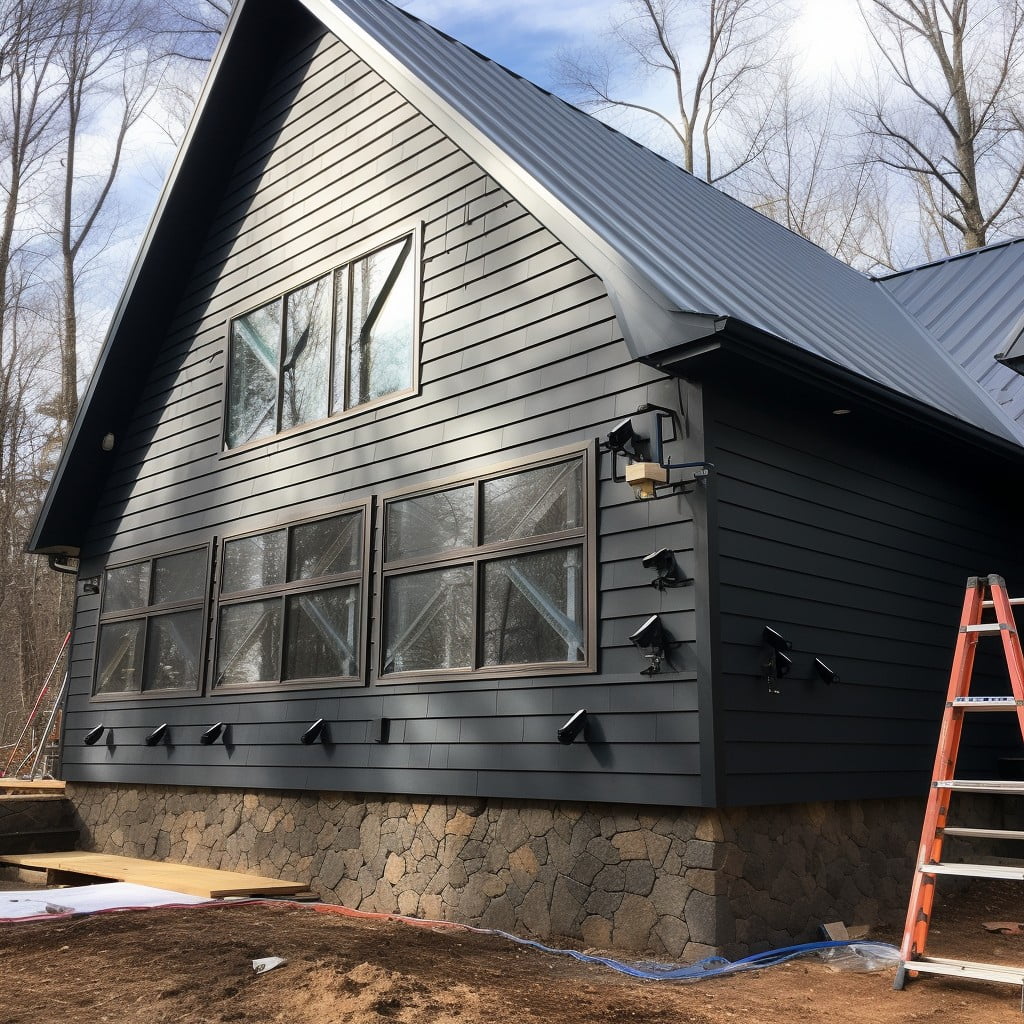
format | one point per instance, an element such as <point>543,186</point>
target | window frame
<point>480,554</point>
<point>283,591</point>
<point>150,611</point>
<point>328,268</point>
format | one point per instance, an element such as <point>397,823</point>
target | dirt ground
<point>193,966</point>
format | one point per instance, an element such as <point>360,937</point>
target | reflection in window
<point>510,586</point>
<point>338,342</point>
<point>151,625</point>
<point>290,604</point>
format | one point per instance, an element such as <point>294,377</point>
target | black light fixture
<point>775,662</point>
<point>212,734</point>
<point>648,471</point>
<point>92,737</point>
<point>621,435</point>
<point>156,735</point>
<point>380,729</point>
<point>826,674</point>
<point>318,730</point>
<point>573,727</point>
<point>91,585</point>
<point>652,641</point>
<point>663,562</point>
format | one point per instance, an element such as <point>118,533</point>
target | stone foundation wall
<point>680,882</point>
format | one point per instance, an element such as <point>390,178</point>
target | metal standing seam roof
<point>677,239</point>
<point>973,304</point>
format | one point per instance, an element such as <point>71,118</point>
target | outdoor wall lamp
<point>663,562</point>
<point>775,662</point>
<point>92,737</point>
<point>318,730</point>
<point>107,444</point>
<point>91,585</point>
<point>647,470</point>
<point>826,674</point>
<point>380,729</point>
<point>212,734</point>
<point>156,735</point>
<point>652,640</point>
<point>573,727</point>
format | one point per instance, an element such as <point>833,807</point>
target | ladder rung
<point>1012,600</point>
<point>982,785</point>
<point>987,703</point>
<point>983,833</point>
<point>967,969</point>
<point>987,627</point>
<point>1008,871</point>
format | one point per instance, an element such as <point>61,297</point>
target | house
<point>354,551</point>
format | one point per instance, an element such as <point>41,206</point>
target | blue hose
<point>711,967</point>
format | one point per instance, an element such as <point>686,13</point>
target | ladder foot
<point>900,980</point>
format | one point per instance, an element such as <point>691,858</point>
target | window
<point>151,624</point>
<point>291,604</point>
<point>490,575</point>
<point>338,342</point>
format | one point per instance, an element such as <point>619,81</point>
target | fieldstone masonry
<point>681,882</point>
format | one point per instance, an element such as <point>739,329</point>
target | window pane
<point>253,562</point>
<point>539,501</point>
<point>307,350</point>
<point>179,577</point>
<point>322,632</point>
<point>120,658</point>
<point>533,608</point>
<point>428,620</point>
<point>172,651</point>
<point>249,643</point>
<point>327,547</point>
<point>341,329</point>
<point>441,521</point>
<point>126,587</point>
<point>383,305</point>
<point>252,392</point>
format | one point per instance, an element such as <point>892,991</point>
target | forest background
<point>914,151</point>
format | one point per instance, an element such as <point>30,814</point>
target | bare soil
<point>194,966</point>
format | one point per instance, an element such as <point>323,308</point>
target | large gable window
<point>291,604</point>
<point>338,342</point>
<point>151,625</point>
<point>490,576</point>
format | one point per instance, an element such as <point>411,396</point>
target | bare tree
<point>713,62</point>
<point>951,117</point>
<point>109,72</point>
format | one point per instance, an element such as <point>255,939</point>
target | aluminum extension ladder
<point>983,592</point>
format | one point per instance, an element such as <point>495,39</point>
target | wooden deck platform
<point>208,882</point>
<point>36,786</point>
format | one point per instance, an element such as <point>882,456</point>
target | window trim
<point>283,591</point>
<point>584,536</point>
<point>153,611</point>
<point>330,267</point>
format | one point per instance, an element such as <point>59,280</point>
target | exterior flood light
<point>621,435</point>
<point>573,727</point>
<point>775,662</point>
<point>663,562</point>
<point>212,734</point>
<point>318,730</point>
<point>92,737</point>
<point>156,735</point>
<point>652,640</point>
<point>826,674</point>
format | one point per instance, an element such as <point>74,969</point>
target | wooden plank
<point>31,786</point>
<point>184,878</point>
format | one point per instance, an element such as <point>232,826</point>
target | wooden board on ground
<point>31,786</point>
<point>186,878</point>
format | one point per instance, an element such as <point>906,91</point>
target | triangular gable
<point>679,258</point>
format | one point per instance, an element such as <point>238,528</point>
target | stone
<point>597,932</point>
<point>535,911</point>
<point>633,921</point>
<point>673,933</point>
<point>394,869</point>
<point>702,917</point>
<point>460,825</point>
<point>640,877</point>
<point>523,865</point>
